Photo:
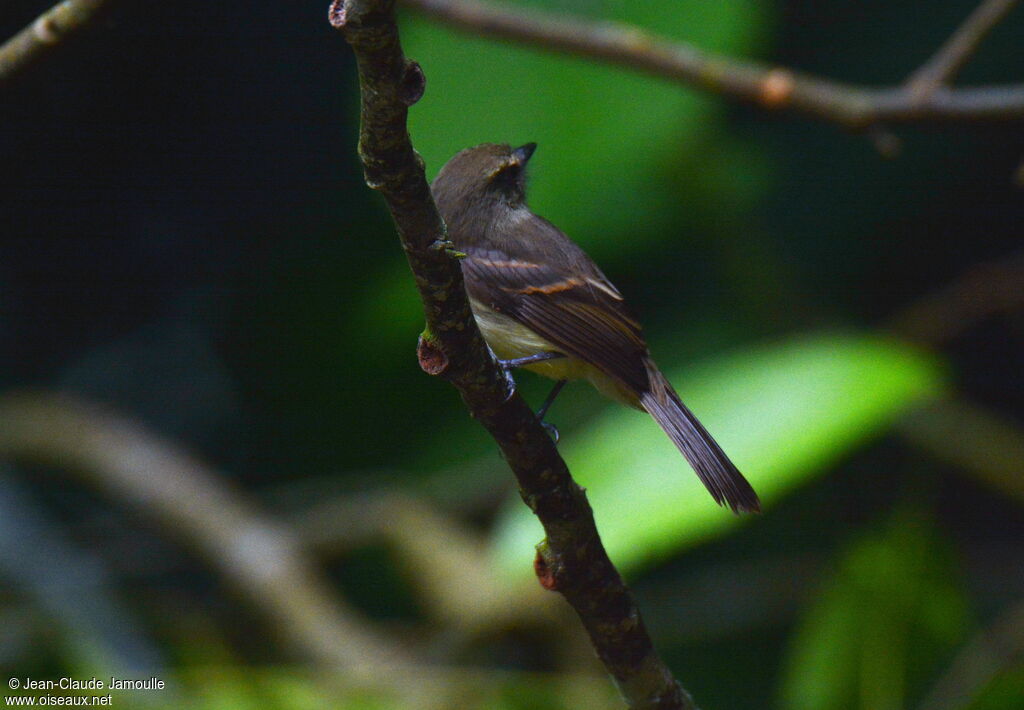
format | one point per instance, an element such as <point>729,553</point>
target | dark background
<point>185,237</point>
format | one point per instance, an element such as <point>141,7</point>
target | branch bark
<point>771,87</point>
<point>44,34</point>
<point>572,559</point>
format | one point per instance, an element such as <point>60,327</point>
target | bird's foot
<point>542,412</point>
<point>552,430</point>
<point>528,360</point>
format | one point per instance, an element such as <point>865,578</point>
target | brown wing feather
<point>580,312</point>
<point>575,308</point>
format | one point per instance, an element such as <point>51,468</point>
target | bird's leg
<point>509,365</point>
<point>528,360</point>
<point>552,430</point>
<point>550,399</point>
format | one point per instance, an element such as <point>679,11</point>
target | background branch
<point>946,63</point>
<point>44,34</point>
<point>982,291</point>
<point>982,444</point>
<point>572,558</point>
<point>449,563</point>
<point>992,651</point>
<point>254,554</point>
<point>750,82</point>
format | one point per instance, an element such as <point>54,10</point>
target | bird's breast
<point>510,339</point>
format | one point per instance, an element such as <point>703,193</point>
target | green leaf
<point>872,635</point>
<point>783,413</point>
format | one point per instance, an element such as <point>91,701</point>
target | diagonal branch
<point>572,558</point>
<point>947,62</point>
<point>257,556</point>
<point>46,32</point>
<point>996,649</point>
<point>750,82</point>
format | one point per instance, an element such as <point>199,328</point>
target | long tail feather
<point>722,478</point>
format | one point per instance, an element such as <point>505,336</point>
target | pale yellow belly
<point>510,339</point>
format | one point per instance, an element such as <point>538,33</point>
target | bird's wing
<point>576,309</point>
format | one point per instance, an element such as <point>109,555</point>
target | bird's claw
<point>552,430</point>
<point>518,362</point>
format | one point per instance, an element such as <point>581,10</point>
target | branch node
<point>337,15</point>
<point>432,359</point>
<point>776,88</point>
<point>545,568</point>
<point>46,30</point>
<point>46,34</point>
<point>413,84</point>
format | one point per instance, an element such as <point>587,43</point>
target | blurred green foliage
<point>607,139</point>
<point>894,607</point>
<point>187,239</point>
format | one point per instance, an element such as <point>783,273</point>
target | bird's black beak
<point>523,153</point>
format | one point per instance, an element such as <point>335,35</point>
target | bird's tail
<point>722,478</point>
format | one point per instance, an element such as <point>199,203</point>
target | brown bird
<point>542,304</point>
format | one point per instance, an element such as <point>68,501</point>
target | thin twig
<point>979,442</point>
<point>572,558</point>
<point>254,554</point>
<point>984,445</point>
<point>994,650</point>
<point>947,62</point>
<point>750,82</point>
<point>44,34</point>
<point>981,292</point>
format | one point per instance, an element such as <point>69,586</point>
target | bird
<point>542,304</point>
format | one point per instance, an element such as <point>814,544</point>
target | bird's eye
<point>506,176</point>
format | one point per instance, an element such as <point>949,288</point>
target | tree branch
<point>572,558</point>
<point>750,82</point>
<point>46,32</point>
<point>946,63</point>
<point>979,293</point>
<point>982,444</point>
